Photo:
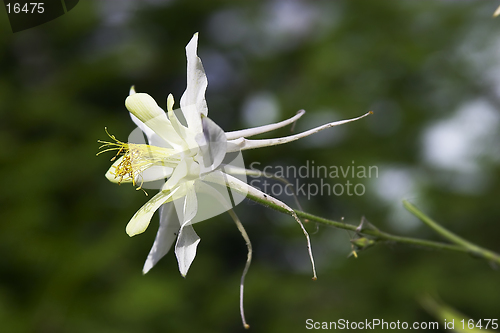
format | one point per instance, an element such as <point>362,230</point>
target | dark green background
<point>66,264</point>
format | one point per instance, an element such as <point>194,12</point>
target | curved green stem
<point>383,236</point>
<point>462,245</point>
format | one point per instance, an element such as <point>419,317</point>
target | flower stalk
<point>470,247</point>
<point>461,245</point>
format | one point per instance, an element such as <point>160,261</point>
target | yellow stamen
<point>137,157</point>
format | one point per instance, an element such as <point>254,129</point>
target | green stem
<point>470,247</point>
<point>380,235</point>
<point>462,245</point>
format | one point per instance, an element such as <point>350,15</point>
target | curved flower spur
<point>197,167</point>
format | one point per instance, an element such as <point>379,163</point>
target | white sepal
<point>193,102</point>
<point>185,248</point>
<point>212,143</point>
<point>187,242</point>
<point>167,233</point>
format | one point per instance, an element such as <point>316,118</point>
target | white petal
<point>167,232</point>
<point>212,143</point>
<point>179,172</point>
<point>153,173</point>
<point>170,102</point>
<point>153,138</point>
<point>148,131</point>
<point>140,221</point>
<point>185,248</point>
<point>193,102</point>
<point>185,133</point>
<point>243,144</point>
<point>186,203</point>
<point>190,203</point>
<point>263,129</point>
<point>144,107</point>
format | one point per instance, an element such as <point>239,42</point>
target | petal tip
<point>110,176</point>
<point>131,231</point>
<point>193,43</point>
<point>143,106</point>
<point>497,12</point>
<point>170,102</point>
<point>147,267</point>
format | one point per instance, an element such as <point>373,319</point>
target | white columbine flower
<point>191,156</point>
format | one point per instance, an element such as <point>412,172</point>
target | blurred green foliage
<point>66,263</point>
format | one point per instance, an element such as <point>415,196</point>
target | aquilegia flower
<point>192,157</point>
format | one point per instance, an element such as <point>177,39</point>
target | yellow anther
<point>136,158</point>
